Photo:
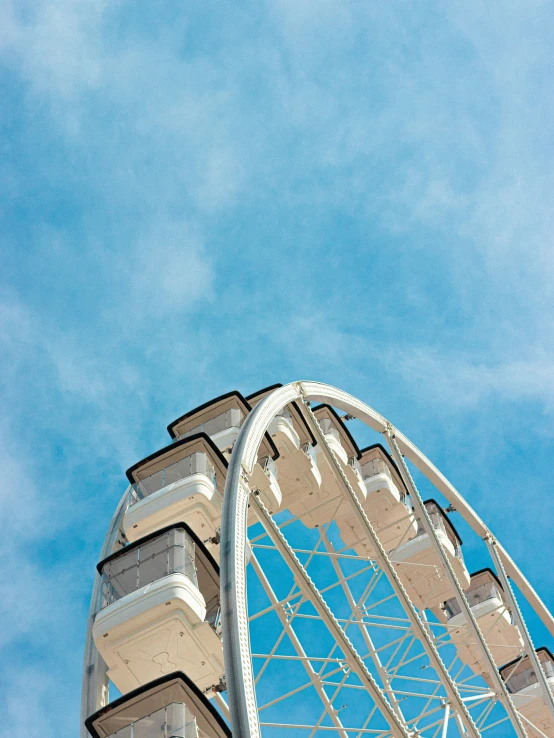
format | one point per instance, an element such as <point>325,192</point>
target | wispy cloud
<point>202,196</point>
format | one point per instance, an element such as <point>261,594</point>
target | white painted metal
<point>94,691</point>
<point>158,629</point>
<point>281,614</point>
<point>520,622</point>
<point>456,586</point>
<point>397,726</point>
<point>317,391</point>
<point>244,474</point>
<point>491,610</point>
<point>446,719</point>
<point>386,564</point>
<point>193,500</point>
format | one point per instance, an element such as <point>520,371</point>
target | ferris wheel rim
<point>240,682</point>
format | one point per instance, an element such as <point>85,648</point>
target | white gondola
<point>486,598</point>
<point>171,706</point>
<point>327,503</point>
<point>298,472</point>
<point>526,692</point>
<point>160,611</point>
<point>221,419</point>
<point>386,505</point>
<point>180,483</point>
<point>419,567</point>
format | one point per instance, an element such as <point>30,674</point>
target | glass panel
<point>526,678</point>
<point>452,608</point>
<point>284,413</point>
<point>438,521</point>
<point>485,591</point>
<point>173,721</point>
<point>232,418</point>
<point>374,467</point>
<point>170,553</point>
<point>328,427</point>
<point>475,595</point>
<point>355,464</point>
<point>519,681</point>
<point>269,466</point>
<point>196,463</point>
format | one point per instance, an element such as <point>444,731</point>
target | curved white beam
<point>471,620</point>
<point>94,691</point>
<point>238,664</point>
<point>348,403</point>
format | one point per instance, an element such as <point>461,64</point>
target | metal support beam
<point>520,622</point>
<point>94,691</point>
<point>471,621</point>
<point>223,706</point>
<point>385,563</point>
<point>362,627</point>
<point>398,728</point>
<point>366,414</point>
<point>312,674</point>
<point>446,719</point>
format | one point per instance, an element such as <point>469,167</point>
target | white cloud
<point>169,270</point>
<point>457,380</point>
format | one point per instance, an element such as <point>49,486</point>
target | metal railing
<point>173,552</point>
<point>196,463</point>
<point>173,721</point>
<point>526,678</point>
<point>480,593</point>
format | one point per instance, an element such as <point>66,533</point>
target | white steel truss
<point>338,648</point>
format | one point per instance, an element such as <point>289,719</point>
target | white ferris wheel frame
<point>242,707</point>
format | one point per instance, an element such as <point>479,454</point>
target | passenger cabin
<point>169,707</point>
<point>386,505</point>
<point>327,503</point>
<point>418,564</point>
<point>183,482</point>
<point>160,611</point>
<point>221,419</point>
<point>526,692</point>
<point>486,599</point>
<point>298,473</point>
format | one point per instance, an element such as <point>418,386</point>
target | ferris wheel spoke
<point>355,617</point>
<point>386,564</point>
<point>356,610</point>
<point>288,629</point>
<point>351,655</point>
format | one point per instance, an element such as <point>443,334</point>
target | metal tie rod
<point>386,564</point>
<point>520,622</point>
<point>453,579</point>
<point>398,728</point>
<point>287,627</point>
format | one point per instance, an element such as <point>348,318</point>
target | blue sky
<point>201,196</point>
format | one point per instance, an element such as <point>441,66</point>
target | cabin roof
<point>174,687</point>
<point>211,409</point>
<point>177,451</point>
<point>151,536</point>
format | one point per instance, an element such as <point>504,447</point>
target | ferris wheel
<point>263,575</point>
